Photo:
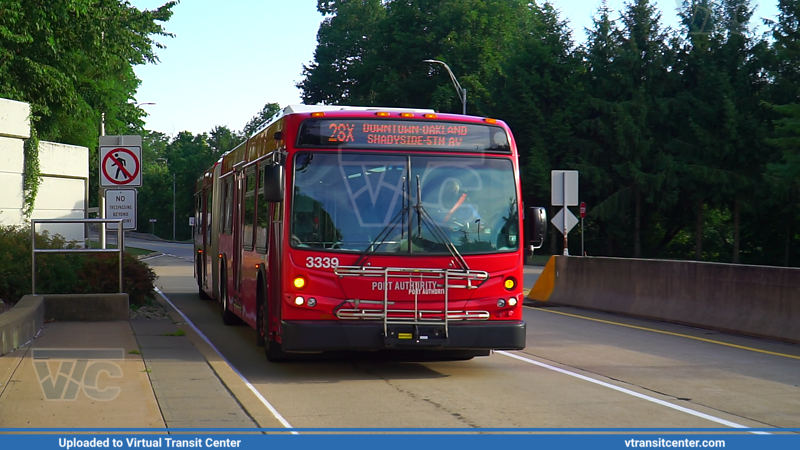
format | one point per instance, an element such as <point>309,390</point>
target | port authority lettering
<point>413,287</point>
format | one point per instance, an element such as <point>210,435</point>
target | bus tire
<point>228,317</point>
<point>198,271</point>
<point>274,352</point>
<point>262,328</point>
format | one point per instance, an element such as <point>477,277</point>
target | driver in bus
<point>455,208</point>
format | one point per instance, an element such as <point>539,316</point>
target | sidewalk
<point>147,374</point>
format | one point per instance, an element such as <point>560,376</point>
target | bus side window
<point>208,212</point>
<point>228,206</point>
<point>262,217</point>
<point>198,213</point>
<point>249,211</point>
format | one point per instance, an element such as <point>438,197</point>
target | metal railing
<point>120,245</point>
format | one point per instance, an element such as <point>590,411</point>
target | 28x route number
<point>317,262</point>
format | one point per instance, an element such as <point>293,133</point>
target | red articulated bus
<point>354,228</point>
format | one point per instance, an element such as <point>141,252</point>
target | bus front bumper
<point>315,336</point>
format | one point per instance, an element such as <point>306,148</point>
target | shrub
<point>73,273</point>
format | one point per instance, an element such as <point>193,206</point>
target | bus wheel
<point>198,268</point>
<point>228,317</point>
<point>275,352</point>
<point>262,328</point>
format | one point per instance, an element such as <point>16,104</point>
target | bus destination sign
<point>384,134</point>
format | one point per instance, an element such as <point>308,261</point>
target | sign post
<point>583,216</point>
<point>120,167</point>
<point>564,192</point>
<point>153,226</point>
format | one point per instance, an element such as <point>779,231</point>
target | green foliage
<point>73,59</point>
<point>260,119</point>
<point>73,273</point>
<point>31,177</point>
<point>679,153</point>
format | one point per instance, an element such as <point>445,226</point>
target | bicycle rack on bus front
<point>413,327</point>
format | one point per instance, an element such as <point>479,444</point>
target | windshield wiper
<point>384,234</point>
<point>436,231</point>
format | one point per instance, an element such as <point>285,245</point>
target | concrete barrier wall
<point>751,300</point>
<point>21,323</point>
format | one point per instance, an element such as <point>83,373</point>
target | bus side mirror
<point>539,232</point>
<point>273,183</point>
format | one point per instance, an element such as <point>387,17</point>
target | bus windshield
<point>370,203</point>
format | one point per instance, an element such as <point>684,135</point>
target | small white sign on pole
<point>564,188</point>
<point>121,204</point>
<point>565,222</point>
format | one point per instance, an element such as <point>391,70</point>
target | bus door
<point>274,257</point>
<point>238,228</point>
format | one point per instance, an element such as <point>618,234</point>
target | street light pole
<point>462,93</point>
<point>173,206</point>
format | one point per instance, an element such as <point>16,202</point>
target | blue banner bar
<point>394,441</point>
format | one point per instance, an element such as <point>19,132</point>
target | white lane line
<point>152,257</point>
<point>629,392</point>
<point>252,388</point>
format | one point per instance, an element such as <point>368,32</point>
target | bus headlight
<point>501,303</point>
<point>512,301</point>
<point>299,300</point>
<point>312,302</point>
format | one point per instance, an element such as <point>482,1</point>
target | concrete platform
<point>142,373</point>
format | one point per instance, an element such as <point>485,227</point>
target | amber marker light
<point>406,115</point>
<point>488,120</point>
<point>509,283</point>
<point>318,114</point>
<point>299,282</point>
<point>382,114</point>
<point>429,116</point>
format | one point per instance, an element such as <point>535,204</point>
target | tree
<point>73,60</point>
<point>626,161</point>
<point>267,112</point>
<point>536,92</point>
<point>371,52</point>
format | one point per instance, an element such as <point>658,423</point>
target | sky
<point>228,59</point>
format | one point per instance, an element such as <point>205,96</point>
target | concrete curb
<point>21,323</point>
<point>230,378</point>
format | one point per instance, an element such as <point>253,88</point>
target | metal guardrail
<point>120,245</point>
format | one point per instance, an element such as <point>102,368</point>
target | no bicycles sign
<point>120,166</point>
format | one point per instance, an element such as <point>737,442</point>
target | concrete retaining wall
<point>21,323</point>
<point>751,300</point>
